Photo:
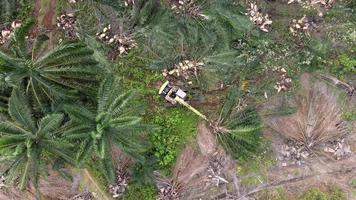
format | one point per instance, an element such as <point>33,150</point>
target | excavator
<point>174,95</point>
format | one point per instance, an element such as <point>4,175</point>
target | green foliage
<point>259,165</point>
<point>114,122</point>
<point>317,194</point>
<point>344,65</point>
<point>25,9</point>
<point>171,38</point>
<point>175,127</point>
<point>8,9</point>
<point>349,115</point>
<point>139,191</point>
<point>239,132</point>
<point>353,183</point>
<point>272,194</point>
<point>30,145</point>
<point>63,72</point>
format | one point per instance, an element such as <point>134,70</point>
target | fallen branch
<point>289,180</point>
<point>349,89</point>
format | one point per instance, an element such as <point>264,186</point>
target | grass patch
<point>253,172</point>
<point>317,194</point>
<point>138,191</point>
<point>176,127</point>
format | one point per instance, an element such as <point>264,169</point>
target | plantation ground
<point>182,138</point>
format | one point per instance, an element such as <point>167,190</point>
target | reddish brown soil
<point>48,18</point>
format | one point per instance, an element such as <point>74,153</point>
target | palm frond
<point>50,124</point>
<point>19,110</point>
<point>19,38</point>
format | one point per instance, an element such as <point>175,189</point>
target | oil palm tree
<point>238,130</point>
<point>30,146</point>
<point>47,76</point>
<point>209,40</point>
<point>114,122</point>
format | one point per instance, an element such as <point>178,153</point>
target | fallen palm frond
<point>314,128</point>
<point>238,129</point>
<point>186,176</point>
<point>293,179</point>
<point>348,88</point>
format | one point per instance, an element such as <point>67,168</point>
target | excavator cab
<point>171,92</point>
<point>174,94</point>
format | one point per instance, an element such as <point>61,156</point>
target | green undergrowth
<point>317,194</point>
<point>176,127</point>
<point>253,171</point>
<point>272,194</point>
<point>140,191</point>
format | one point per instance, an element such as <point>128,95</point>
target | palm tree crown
<point>47,75</point>
<point>113,122</point>
<point>30,145</point>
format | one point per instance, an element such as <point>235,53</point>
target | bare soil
<point>319,171</point>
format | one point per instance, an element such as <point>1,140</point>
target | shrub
<point>317,194</point>
<point>139,191</point>
<point>314,194</point>
<point>344,65</point>
<point>175,126</point>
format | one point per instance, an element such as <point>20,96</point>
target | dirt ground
<point>318,171</point>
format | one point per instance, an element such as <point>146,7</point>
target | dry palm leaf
<point>316,125</point>
<point>199,174</point>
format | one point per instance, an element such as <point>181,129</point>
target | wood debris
<point>83,196</point>
<point>189,8</point>
<point>302,25</point>
<point>168,192</point>
<point>121,183</point>
<point>66,23</point>
<point>350,90</point>
<point>2,182</point>
<point>284,82</point>
<point>338,148</point>
<point>7,32</point>
<point>316,4</point>
<point>263,21</point>
<point>73,1</point>
<point>122,43</point>
<point>185,69</point>
<point>293,153</point>
<point>129,2</point>
<point>215,170</point>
